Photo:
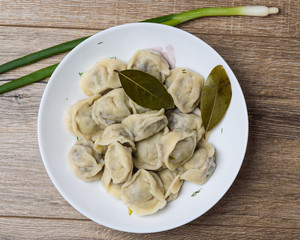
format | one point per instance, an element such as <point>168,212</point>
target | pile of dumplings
<point>140,156</point>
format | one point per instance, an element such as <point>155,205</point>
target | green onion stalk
<point>171,20</point>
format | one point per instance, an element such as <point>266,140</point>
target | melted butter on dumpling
<point>151,62</point>
<point>84,162</point>
<point>144,193</point>
<point>102,76</point>
<point>185,87</point>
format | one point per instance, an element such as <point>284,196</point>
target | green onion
<point>48,52</point>
<point>171,20</point>
<point>30,78</point>
<point>175,19</point>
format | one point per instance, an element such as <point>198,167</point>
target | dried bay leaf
<point>145,90</point>
<point>215,97</point>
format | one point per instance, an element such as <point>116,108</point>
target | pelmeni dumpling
<point>84,162</point>
<point>109,186</point>
<point>171,181</point>
<point>146,124</point>
<point>186,121</point>
<point>176,147</point>
<point>118,168</point>
<point>201,166</point>
<point>102,76</point>
<point>79,121</point>
<point>151,62</point>
<point>185,87</point>
<point>111,108</point>
<point>118,161</point>
<point>137,108</point>
<point>144,193</point>
<point>114,133</point>
<point>145,155</point>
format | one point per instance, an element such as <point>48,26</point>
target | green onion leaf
<point>195,193</point>
<point>30,78</point>
<point>171,19</point>
<point>34,57</point>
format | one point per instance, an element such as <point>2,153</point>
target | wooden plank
<point>28,228</point>
<point>16,42</point>
<point>25,188</point>
<point>268,183</point>
<point>263,202</point>
<point>266,104</point>
<point>270,190</point>
<point>105,14</point>
<point>280,61</point>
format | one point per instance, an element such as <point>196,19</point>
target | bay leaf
<point>145,90</point>
<point>215,97</point>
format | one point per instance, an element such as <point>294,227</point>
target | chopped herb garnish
<point>114,57</point>
<point>80,74</point>
<point>195,193</point>
<point>77,138</point>
<point>183,71</point>
<point>100,43</point>
<point>129,211</point>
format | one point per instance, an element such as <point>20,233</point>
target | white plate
<point>229,137</point>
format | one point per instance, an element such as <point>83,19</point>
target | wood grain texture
<point>264,200</point>
<point>86,230</point>
<point>101,15</point>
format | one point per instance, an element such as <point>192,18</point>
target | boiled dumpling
<point>145,155</point>
<point>84,162</point>
<point>144,193</point>
<point>186,121</point>
<point>171,181</point>
<point>109,186</point>
<point>118,168</point>
<point>151,62</point>
<point>114,133</point>
<point>142,156</point>
<point>111,108</point>
<point>146,124</point>
<point>185,87</point>
<point>201,166</point>
<point>102,76</point>
<point>79,121</point>
<point>176,147</point>
<point>137,108</point>
<point>118,161</point>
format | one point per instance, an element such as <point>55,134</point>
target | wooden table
<point>264,53</point>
